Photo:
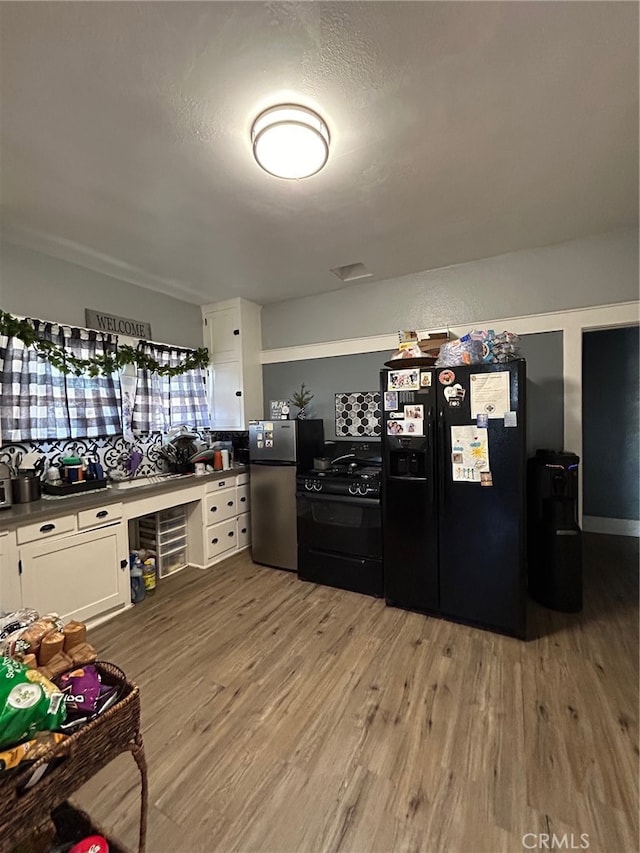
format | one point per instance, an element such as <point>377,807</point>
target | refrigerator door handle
<point>268,463</point>
<point>442,445</point>
<point>432,458</point>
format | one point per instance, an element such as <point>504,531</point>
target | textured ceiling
<point>459,131</point>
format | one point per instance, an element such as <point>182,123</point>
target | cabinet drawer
<point>224,483</point>
<point>242,478</point>
<point>221,506</point>
<point>242,499</point>
<point>221,537</point>
<point>244,530</point>
<point>99,515</point>
<point>45,529</point>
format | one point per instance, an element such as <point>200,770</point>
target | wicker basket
<point>69,764</point>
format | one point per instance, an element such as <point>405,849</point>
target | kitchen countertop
<point>50,506</point>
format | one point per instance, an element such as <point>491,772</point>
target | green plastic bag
<point>29,703</point>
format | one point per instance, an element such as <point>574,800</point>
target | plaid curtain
<point>167,401</point>
<point>39,402</point>
<point>93,402</point>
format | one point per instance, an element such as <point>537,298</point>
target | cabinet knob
<point>214,509</point>
<point>124,564</point>
<point>102,514</point>
<point>242,500</point>
<point>238,393</point>
<point>244,530</point>
<point>230,533</point>
<point>47,528</point>
<point>229,503</point>
<point>236,331</point>
<point>214,541</point>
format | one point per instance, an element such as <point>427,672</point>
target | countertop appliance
<point>6,499</point>
<point>26,487</point>
<point>278,451</point>
<point>340,523</point>
<point>453,492</point>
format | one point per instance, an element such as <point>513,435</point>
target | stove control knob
<point>317,486</point>
<point>353,489</point>
<point>308,484</point>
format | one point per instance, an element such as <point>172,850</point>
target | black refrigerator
<point>453,492</point>
<point>278,451</point>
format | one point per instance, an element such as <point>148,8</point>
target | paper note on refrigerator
<point>490,394</point>
<point>469,453</point>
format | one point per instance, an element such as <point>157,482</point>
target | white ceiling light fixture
<point>290,141</point>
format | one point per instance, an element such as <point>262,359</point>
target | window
<point>161,401</point>
<point>39,402</point>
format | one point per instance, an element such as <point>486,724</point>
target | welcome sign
<point>121,325</point>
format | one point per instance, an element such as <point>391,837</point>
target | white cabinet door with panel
<point>227,403</point>
<point>244,531</point>
<point>222,327</point>
<point>233,335</point>
<point>222,539</point>
<point>81,576</point>
<point>221,505</point>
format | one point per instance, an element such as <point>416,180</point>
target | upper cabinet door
<point>222,334</point>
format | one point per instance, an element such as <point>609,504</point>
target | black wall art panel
<point>358,414</point>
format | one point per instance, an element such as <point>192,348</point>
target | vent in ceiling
<point>352,272</point>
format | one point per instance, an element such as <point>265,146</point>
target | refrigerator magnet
<point>414,412</point>
<point>447,377</point>
<point>394,428</point>
<point>390,401</point>
<point>453,393</point>
<point>403,380</point>
<point>425,380</point>
<point>482,420</point>
<point>511,419</point>
<point>268,443</point>
<point>260,444</point>
<point>485,478</point>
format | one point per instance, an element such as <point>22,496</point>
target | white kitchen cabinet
<point>244,531</point>
<point>233,336</point>
<point>221,505</point>
<point>79,576</point>
<point>222,540</point>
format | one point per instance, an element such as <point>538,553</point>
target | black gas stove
<point>349,480</point>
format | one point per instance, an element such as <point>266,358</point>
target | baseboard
<point>614,526</point>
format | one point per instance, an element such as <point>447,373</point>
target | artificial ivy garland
<point>106,364</point>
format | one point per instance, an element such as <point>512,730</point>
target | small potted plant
<point>301,399</point>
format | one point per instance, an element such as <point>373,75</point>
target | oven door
<point>342,524</point>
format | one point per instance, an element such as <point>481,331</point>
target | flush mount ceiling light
<point>290,141</point>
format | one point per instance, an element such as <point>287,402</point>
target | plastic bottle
<point>137,583</point>
<point>149,576</point>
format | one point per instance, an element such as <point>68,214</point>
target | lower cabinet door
<point>79,576</point>
<point>220,538</point>
<point>244,530</point>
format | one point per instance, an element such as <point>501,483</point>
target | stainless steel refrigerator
<point>278,451</point>
<point>453,493</point>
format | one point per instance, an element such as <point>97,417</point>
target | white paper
<point>469,453</point>
<point>490,394</point>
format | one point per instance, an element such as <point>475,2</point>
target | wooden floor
<point>283,716</point>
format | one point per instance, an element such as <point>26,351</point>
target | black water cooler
<point>554,537</point>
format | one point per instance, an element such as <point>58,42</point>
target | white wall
<point>581,273</point>
<point>36,285</point>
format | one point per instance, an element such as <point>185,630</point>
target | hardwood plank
<point>282,716</point>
